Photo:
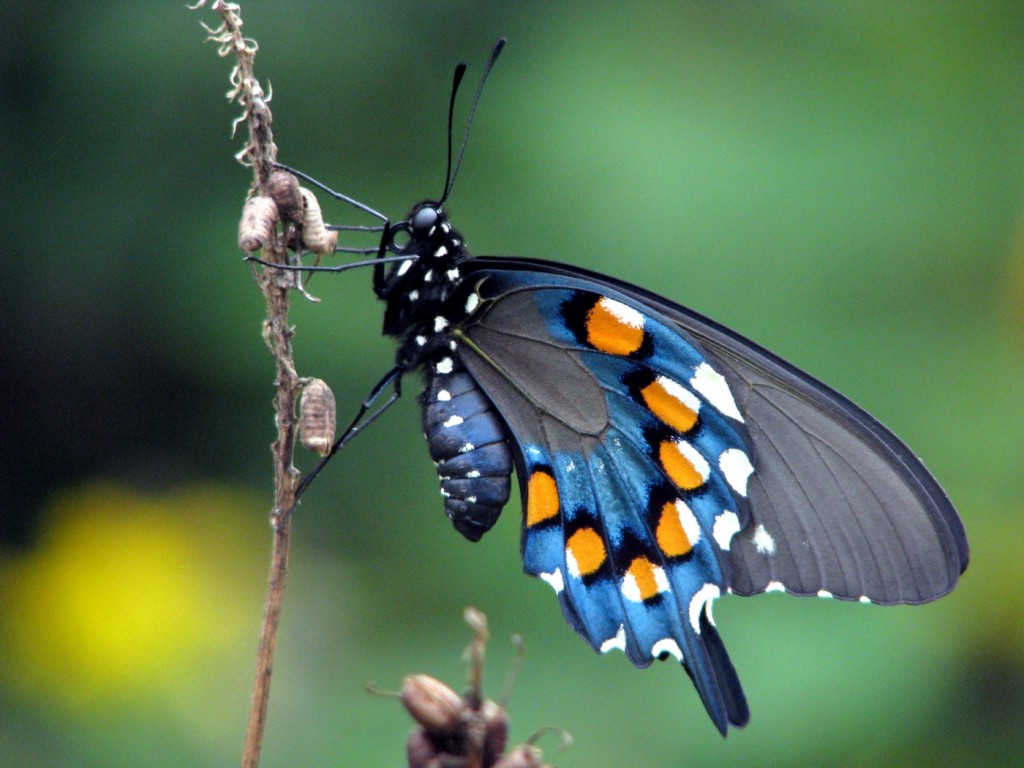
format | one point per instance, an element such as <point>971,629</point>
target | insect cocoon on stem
<point>315,236</point>
<point>317,417</point>
<point>256,227</point>
<point>284,189</point>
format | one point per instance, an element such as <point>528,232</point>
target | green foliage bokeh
<point>840,181</point>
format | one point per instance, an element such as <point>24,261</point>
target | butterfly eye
<point>424,219</point>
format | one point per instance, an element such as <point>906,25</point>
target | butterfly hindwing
<point>633,478</point>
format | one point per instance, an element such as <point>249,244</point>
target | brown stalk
<point>260,153</point>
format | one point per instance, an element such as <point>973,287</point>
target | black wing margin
<point>840,506</point>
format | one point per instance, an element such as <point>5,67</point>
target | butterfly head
<point>427,237</point>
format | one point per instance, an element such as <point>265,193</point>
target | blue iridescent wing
<point>636,428</point>
<point>633,462</point>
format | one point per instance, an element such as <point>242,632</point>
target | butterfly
<point>663,460</point>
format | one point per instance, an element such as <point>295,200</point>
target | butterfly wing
<point>636,425</point>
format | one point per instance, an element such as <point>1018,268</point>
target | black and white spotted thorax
<point>418,292</point>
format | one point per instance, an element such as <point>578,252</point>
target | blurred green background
<point>840,181</point>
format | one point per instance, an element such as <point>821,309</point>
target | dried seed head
<point>314,236</point>
<point>256,227</point>
<point>495,728</point>
<point>317,417</point>
<point>420,750</point>
<point>525,756</point>
<point>284,189</point>
<point>432,704</point>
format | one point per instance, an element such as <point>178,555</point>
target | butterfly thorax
<point>418,291</point>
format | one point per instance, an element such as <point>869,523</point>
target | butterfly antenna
<point>460,70</point>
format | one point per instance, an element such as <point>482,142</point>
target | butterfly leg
<point>392,378</point>
<point>336,195</point>
<point>376,263</point>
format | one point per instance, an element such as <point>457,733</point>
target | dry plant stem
<point>260,153</point>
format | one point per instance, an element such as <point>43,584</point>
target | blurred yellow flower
<point>126,590</point>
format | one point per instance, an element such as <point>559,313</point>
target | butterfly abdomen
<point>469,445</point>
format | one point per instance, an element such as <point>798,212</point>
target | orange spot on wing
<point>669,408</point>
<point>541,498</point>
<point>587,549</point>
<point>609,332</point>
<point>678,467</point>
<point>672,539</point>
<point>643,573</point>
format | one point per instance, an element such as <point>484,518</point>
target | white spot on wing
<point>554,579</point>
<point>763,541</point>
<point>454,421</point>
<point>824,593</point>
<point>667,646</point>
<point>570,562</point>
<point>414,295</point>
<point>631,590</point>
<point>441,252</point>
<point>774,586</point>
<point>473,473</point>
<point>445,365</point>
<point>736,466</point>
<point>688,521</point>
<point>864,599</point>
<point>625,315</point>
<point>452,274</point>
<point>466,448</point>
<point>727,525</point>
<point>421,341</point>
<point>404,267</point>
<point>440,323</point>
<point>704,595</point>
<point>715,389</point>
<point>695,458</point>
<point>472,302</point>
<point>618,641</point>
<point>443,395</point>
<point>680,393</point>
